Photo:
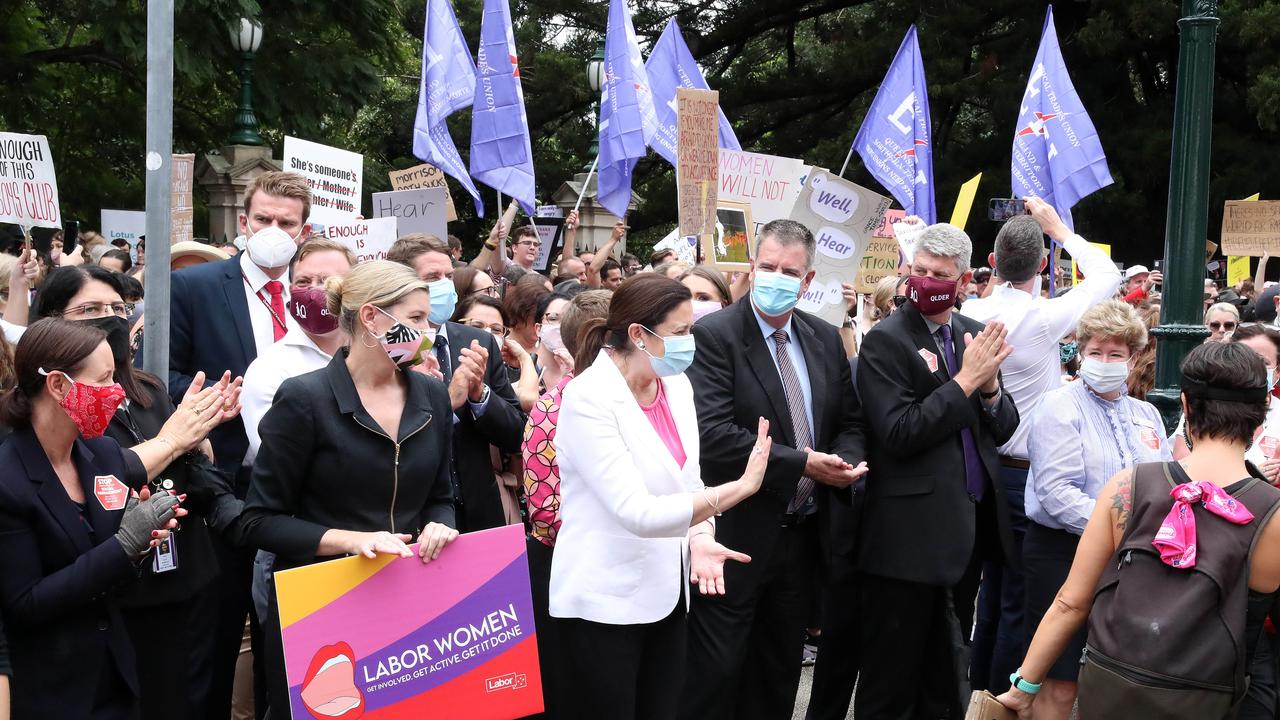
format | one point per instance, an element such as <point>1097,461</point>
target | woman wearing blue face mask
<point>631,500</point>
<point>1081,435</point>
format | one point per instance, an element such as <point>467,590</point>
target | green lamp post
<point>595,79</point>
<point>1186,228</point>
<point>245,39</point>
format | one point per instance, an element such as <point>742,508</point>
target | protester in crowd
<point>310,344</point>
<point>468,281</point>
<point>542,498</point>
<point>174,588</point>
<point>140,249</point>
<point>1221,319</point>
<point>761,357</point>
<point>617,572</point>
<point>365,409</point>
<point>710,291</point>
<point>930,378</point>
<point>70,530</point>
<point>1264,452</point>
<point>89,242</point>
<point>572,268</point>
<point>525,244</point>
<point>455,247</point>
<point>492,257</point>
<point>1080,436</point>
<point>521,304</point>
<point>672,269</point>
<point>981,278</point>
<point>630,265</point>
<point>888,297</point>
<point>552,357</point>
<point>1143,376</point>
<point>189,253</point>
<point>1154,559</point>
<point>657,257</point>
<point>611,275</point>
<point>116,260</point>
<point>1069,358</point>
<point>1139,284</point>
<point>17,277</point>
<point>222,315</point>
<point>1035,327</point>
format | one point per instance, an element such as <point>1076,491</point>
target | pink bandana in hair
<point>1176,539</point>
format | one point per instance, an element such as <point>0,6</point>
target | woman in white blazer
<point>631,500</point>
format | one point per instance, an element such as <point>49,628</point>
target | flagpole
<point>586,182</point>
<point>847,158</point>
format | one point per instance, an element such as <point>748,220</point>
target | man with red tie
<point>223,314</point>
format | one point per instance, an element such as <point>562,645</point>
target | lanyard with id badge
<point>165,556</point>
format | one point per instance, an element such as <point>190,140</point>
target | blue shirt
<point>797,361</point>
<point>1078,442</point>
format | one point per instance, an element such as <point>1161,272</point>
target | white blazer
<point>621,553</point>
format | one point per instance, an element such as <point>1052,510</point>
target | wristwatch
<point>989,395</point>
<point>1029,688</point>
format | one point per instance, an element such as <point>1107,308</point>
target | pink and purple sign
<point>393,638</point>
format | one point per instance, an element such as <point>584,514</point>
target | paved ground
<point>802,697</point>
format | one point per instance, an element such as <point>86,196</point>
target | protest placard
<point>698,140</point>
<point>551,233</point>
<point>418,211</point>
<point>28,185</point>
<point>1076,275</point>
<point>552,211</point>
<point>732,245</point>
<point>127,224</point>
<point>842,217</point>
<point>335,177</point>
<point>1238,270</point>
<point>769,184</point>
<point>368,239</point>
<point>423,176</point>
<point>891,216</point>
<point>878,262</point>
<point>465,646</point>
<point>1251,227</point>
<point>181,207</point>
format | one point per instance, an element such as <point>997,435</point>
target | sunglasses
<point>899,300</point>
<point>1228,326</point>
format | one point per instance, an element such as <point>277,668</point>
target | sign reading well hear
<point>335,176</point>
<point>842,217</point>
<point>28,186</point>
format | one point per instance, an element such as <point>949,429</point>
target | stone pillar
<point>594,222</point>
<point>225,175</point>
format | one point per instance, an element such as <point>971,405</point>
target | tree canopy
<point>795,79</point>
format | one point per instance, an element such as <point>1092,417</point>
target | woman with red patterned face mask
<point>73,528</point>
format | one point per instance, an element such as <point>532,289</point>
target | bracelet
<point>715,504</point>
<point>1025,686</point>
<point>490,247</point>
<point>703,532</point>
<point>988,396</point>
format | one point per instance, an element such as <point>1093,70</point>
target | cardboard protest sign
<point>127,224</point>
<point>423,176</point>
<point>181,206</point>
<point>879,261</point>
<point>1251,227</point>
<point>697,145</point>
<point>28,185</point>
<point>394,638</point>
<point>551,233</point>
<point>769,184</point>
<point>1237,269</point>
<point>368,239</point>
<point>842,217</point>
<point>335,175</point>
<point>732,246</point>
<point>418,211</point>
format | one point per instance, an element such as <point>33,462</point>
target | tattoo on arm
<point>1122,502</point>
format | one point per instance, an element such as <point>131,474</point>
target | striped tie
<point>799,418</point>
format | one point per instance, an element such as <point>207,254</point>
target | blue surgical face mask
<point>773,293</point>
<point>679,355</point>
<point>444,296</point>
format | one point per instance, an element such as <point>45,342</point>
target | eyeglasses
<point>97,310</point>
<point>899,300</point>
<point>491,291</point>
<point>1228,326</point>
<point>550,318</point>
<point>531,243</point>
<point>498,330</point>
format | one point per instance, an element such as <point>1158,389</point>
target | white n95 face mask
<point>271,247</point>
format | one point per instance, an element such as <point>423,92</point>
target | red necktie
<point>276,288</point>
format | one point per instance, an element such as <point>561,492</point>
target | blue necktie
<point>975,477</point>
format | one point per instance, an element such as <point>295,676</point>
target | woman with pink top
<point>632,504</point>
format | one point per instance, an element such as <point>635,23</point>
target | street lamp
<point>595,79</point>
<point>245,39</point>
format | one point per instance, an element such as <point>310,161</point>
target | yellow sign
<point>1237,269</point>
<point>964,201</point>
<point>1076,277</point>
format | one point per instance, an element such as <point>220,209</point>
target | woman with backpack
<point>1177,566</point>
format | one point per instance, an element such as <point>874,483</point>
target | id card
<point>165,557</point>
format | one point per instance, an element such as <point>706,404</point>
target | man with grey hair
<point>1036,326</point>
<point>929,380</point>
<point>761,357</point>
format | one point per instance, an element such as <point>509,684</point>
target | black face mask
<point>117,330</point>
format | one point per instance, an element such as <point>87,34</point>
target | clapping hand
<point>983,355</point>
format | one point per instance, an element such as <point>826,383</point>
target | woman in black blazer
<point>355,458</point>
<point>173,583</point>
<point>70,529</point>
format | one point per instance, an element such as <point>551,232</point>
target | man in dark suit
<point>222,314</point>
<point>930,387</point>
<point>485,407</point>
<point>761,358</point>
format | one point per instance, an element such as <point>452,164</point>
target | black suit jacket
<point>210,330</point>
<point>735,382</point>
<point>501,425</point>
<point>56,580</point>
<point>919,524</point>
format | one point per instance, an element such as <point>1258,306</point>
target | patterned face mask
<point>1068,351</point>
<point>406,346</point>
<point>90,407</point>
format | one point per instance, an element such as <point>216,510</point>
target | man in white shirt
<point>1036,325</point>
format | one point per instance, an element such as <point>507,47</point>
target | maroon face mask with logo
<point>307,305</point>
<point>931,295</point>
